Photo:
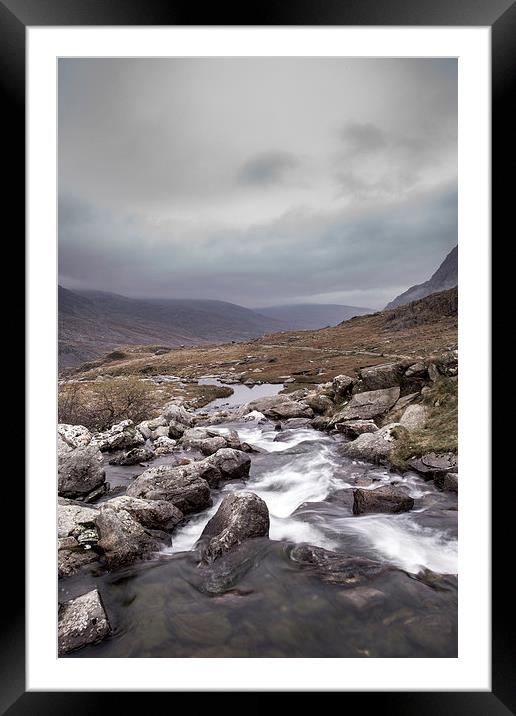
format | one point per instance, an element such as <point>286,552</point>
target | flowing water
<point>261,602</point>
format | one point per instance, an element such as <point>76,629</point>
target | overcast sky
<point>257,181</point>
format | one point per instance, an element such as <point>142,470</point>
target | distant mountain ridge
<point>444,278</point>
<point>94,322</point>
<point>306,316</point>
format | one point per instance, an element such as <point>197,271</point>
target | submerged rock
<point>337,568</point>
<point>381,499</point>
<point>80,471</point>
<point>241,516</point>
<point>81,621</point>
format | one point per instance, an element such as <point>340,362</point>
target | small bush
<point>97,406</point>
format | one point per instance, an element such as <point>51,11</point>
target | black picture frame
<point>500,16</point>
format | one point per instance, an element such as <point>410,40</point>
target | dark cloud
<point>256,180</point>
<point>269,168</point>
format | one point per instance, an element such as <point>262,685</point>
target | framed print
<point>259,319</point>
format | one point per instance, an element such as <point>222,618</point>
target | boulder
<point>186,487</point>
<point>122,539</point>
<point>378,377</point>
<point>337,568</point>
<point>133,457</point>
<point>81,621</point>
<point>121,436</point>
<point>254,416</point>
<point>232,464</point>
<point>72,557</point>
<point>342,386</point>
<point>80,471</point>
<point>241,516</point>
<point>289,409</point>
<point>449,481</point>
<point>261,405</point>
<point>164,445</point>
<point>176,430</point>
<point>211,445</point>
<point>179,414</point>
<point>320,404</point>
<point>417,370</point>
<point>77,535</point>
<point>354,428</point>
<point>161,431</point>
<point>154,514</point>
<point>368,405</point>
<point>405,400</point>
<point>382,499</point>
<point>374,447</point>
<point>414,417</point>
<point>432,464</point>
<point>74,435</point>
<point>193,438</point>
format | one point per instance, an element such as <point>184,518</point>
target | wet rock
<point>368,405</point>
<point>81,621</point>
<point>133,457</point>
<point>449,482</point>
<point>123,540</point>
<point>186,487</point>
<point>378,377</point>
<point>414,417</point>
<point>433,464</point>
<point>80,471</point>
<point>337,568</point>
<point>241,516</point>
<point>373,447</point>
<point>232,464</point>
<point>72,557</point>
<point>363,597</point>
<point>321,423</point>
<point>382,499</point>
<point>155,514</point>
<point>342,386</point>
<point>77,534</point>
<point>354,428</point>
<point>74,435</point>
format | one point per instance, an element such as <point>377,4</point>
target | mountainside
<point>93,322</point>
<point>311,315</point>
<point>444,278</point>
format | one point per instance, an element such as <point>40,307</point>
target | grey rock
<point>241,516</point>
<point>368,405</point>
<point>178,414</point>
<point>176,429</point>
<point>186,486</point>
<point>81,621</point>
<point>122,539</point>
<point>434,463</point>
<point>121,436</point>
<point>164,445</point>
<point>133,457</point>
<point>377,377</point>
<point>80,471</point>
<point>74,435</point>
<point>161,431</point>
<point>382,499</point>
<point>342,386</point>
<point>155,514</point>
<point>320,404</point>
<point>414,417</point>
<point>417,370</point>
<point>374,447</point>
<point>354,428</point>
<point>232,464</point>
<point>433,372</point>
<point>448,481</point>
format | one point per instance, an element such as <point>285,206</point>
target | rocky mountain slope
<point>310,315</point>
<point>92,323</point>
<point>444,278</point>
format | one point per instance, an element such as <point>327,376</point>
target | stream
<point>271,606</point>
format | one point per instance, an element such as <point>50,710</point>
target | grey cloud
<point>267,168</point>
<point>360,138</point>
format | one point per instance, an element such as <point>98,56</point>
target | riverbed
<point>262,602</point>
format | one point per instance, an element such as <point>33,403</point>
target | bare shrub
<point>98,405</point>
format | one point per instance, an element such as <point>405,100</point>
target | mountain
<point>305,316</point>
<point>94,322</point>
<point>445,277</point>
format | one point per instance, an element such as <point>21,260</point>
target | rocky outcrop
<point>378,377</point>
<point>241,516</point>
<point>382,499</point>
<point>368,405</point>
<point>80,471</point>
<point>81,621</point>
<point>374,447</point>
<point>184,486</point>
